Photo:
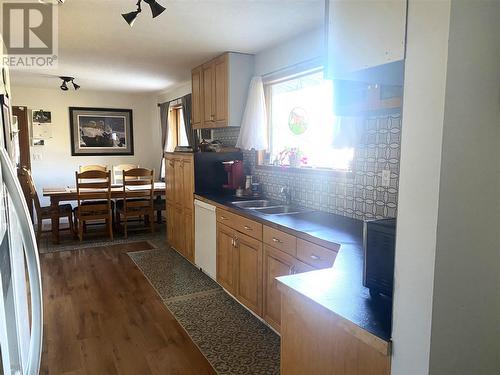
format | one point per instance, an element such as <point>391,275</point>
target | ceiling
<point>98,47</point>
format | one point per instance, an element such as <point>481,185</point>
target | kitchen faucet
<point>287,194</point>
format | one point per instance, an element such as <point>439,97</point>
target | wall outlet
<point>386,178</point>
<point>37,156</point>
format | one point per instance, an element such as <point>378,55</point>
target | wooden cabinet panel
<point>226,254</point>
<point>188,235</point>
<point>180,189</point>
<point>249,271</point>
<point>170,179</point>
<point>241,224</point>
<point>178,178</point>
<point>276,264</point>
<point>208,94</point>
<point>179,235</point>
<point>196,87</point>
<point>170,225</point>
<point>328,347</point>
<point>221,88</point>
<point>315,255</point>
<point>188,183</point>
<point>280,240</point>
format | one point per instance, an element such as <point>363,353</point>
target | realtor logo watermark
<point>29,31</point>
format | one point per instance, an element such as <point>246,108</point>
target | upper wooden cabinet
<point>219,90</point>
<point>197,85</point>
<point>364,34</point>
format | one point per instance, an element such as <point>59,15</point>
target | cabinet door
<point>221,91</point>
<point>178,181</point>
<point>188,235</point>
<point>196,87</point>
<point>187,183</point>
<point>249,265</point>
<point>170,180</point>
<point>276,264</point>
<point>179,235</point>
<point>208,94</point>
<point>226,255</point>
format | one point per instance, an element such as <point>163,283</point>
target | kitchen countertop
<point>340,288</point>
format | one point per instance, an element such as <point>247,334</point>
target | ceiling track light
<point>66,80</point>
<point>156,10</point>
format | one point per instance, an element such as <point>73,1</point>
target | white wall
<point>465,336</point>
<point>447,280</point>
<point>420,168</point>
<point>57,166</point>
<point>175,92</point>
<point>303,47</point>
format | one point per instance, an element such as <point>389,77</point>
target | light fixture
<point>66,80</point>
<point>51,2</point>
<point>156,10</point>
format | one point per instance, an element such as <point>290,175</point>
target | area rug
<point>232,339</point>
<point>96,237</point>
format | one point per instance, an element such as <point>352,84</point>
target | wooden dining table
<point>68,194</point>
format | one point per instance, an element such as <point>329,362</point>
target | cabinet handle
<point>223,218</point>
<point>277,240</point>
<point>236,242</point>
<point>315,257</point>
<point>171,163</point>
<point>232,242</point>
<point>247,227</point>
<point>292,270</point>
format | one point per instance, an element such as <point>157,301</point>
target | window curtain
<point>347,131</point>
<point>186,112</point>
<point>253,132</point>
<point>164,111</point>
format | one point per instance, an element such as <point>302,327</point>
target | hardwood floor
<point>103,317</point>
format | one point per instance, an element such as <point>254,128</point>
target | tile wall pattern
<point>359,195</point>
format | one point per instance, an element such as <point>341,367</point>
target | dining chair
<point>45,212</point>
<point>93,189</point>
<point>138,189</point>
<point>117,171</point>
<point>93,167</point>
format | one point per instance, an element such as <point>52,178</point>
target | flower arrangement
<point>291,156</point>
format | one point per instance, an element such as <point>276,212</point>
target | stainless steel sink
<point>281,210</point>
<point>255,204</point>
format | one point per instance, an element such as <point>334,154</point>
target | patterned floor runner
<point>231,338</point>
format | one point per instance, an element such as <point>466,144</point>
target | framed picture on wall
<point>101,131</point>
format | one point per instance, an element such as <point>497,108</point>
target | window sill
<point>307,170</point>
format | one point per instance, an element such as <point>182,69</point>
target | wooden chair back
<point>94,187</point>
<point>33,193</point>
<point>93,167</point>
<point>118,172</point>
<point>138,190</point>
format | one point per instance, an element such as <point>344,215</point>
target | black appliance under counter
<point>340,288</point>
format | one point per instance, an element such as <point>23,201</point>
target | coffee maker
<point>235,174</point>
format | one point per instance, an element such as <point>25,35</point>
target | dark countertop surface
<point>340,288</point>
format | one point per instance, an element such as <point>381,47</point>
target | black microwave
<point>379,241</point>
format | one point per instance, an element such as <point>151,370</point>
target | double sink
<point>269,207</point>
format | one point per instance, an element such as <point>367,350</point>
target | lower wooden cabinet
<point>239,266</point>
<point>249,272</point>
<point>315,340</point>
<point>276,264</point>
<point>226,258</point>
<point>180,226</point>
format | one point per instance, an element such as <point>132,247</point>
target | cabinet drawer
<point>280,240</point>
<point>315,255</point>
<point>241,224</point>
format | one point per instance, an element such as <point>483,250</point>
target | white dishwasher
<point>205,241</point>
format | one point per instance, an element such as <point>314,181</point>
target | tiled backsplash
<point>359,194</point>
